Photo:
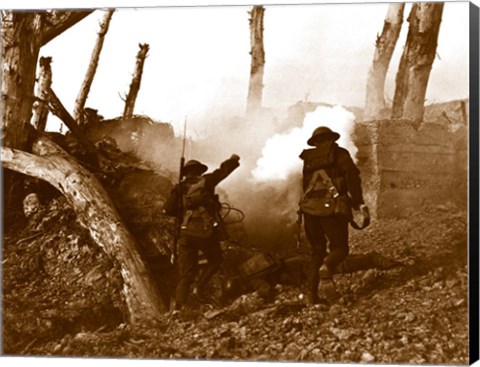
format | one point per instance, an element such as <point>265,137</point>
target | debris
<point>74,306</point>
<point>367,358</point>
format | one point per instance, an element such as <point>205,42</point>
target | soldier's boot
<point>311,298</point>
<point>311,292</point>
<point>327,285</point>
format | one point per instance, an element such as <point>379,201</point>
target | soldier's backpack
<point>321,198</point>
<point>199,219</point>
<point>196,194</point>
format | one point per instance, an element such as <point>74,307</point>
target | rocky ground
<point>62,297</point>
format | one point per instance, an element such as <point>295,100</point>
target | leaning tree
<point>27,151</point>
<point>92,68</point>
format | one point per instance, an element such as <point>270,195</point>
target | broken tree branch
<point>57,108</point>
<point>58,21</point>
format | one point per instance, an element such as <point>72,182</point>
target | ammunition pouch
<point>198,223</point>
<point>318,203</point>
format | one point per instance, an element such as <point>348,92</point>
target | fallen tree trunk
<point>95,212</point>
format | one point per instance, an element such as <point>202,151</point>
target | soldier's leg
<point>337,233</point>
<point>187,267</point>
<point>318,243</point>
<point>213,253</point>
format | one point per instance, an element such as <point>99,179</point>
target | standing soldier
<point>332,186</point>
<point>194,203</point>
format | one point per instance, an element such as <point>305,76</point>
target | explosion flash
<point>280,153</point>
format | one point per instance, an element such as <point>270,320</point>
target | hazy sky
<point>199,57</point>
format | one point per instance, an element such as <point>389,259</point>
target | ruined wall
<point>407,167</point>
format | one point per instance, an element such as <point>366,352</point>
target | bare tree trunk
<point>401,80</point>
<point>136,80</point>
<point>417,59</point>
<point>92,68</point>
<point>18,75</point>
<point>255,89</point>
<point>96,212</point>
<point>18,83</point>
<point>385,45</point>
<point>40,107</point>
<point>22,35</point>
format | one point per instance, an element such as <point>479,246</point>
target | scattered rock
<point>367,358</point>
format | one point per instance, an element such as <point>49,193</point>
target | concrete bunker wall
<point>407,167</point>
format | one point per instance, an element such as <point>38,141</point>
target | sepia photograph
<point>245,182</point>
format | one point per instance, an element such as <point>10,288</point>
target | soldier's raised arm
<point>226,167</point>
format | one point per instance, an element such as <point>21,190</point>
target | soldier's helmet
<point>193,166</point>
<point>322,133</point>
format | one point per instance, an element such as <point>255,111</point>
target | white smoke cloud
<point>280,154</point>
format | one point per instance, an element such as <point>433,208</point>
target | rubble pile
<point>56,281</point>
<point>61,292</point>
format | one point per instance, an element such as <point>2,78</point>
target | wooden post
<point>92,68</point>
<point>136,80</point>
<point>385,45</point>
<point>96,212</point>
<point>255,88</point>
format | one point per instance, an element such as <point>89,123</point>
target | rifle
<point>178,218</point>
<point>299,227</point>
